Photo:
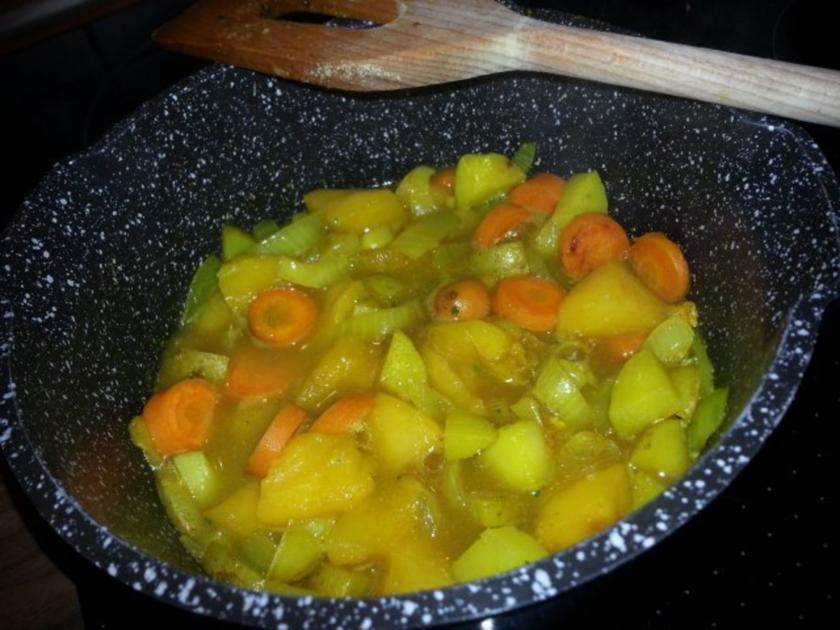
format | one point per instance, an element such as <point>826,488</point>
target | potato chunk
<point>401,434</point>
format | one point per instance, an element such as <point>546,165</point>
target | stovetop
<point>763,551</point>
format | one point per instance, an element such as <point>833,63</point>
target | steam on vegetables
<point>406,387</point>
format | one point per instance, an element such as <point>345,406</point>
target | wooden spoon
<point>425,42</point>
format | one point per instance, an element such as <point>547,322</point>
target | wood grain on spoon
<point>426,42</point>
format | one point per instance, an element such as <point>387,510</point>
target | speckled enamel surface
<point>95,267</point>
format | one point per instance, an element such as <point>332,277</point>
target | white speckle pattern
<point>131,217</point>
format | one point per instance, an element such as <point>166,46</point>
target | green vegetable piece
<point>336,581</point>
<point>642,394</point>
<point>257,550</point>
<point>141,439</point>
<point>646,487</point>
<point>558,387</point>
<point>415,193</point>
<point>202,287</point>
<point>295,239</point>
<point>705,368</point>
<point>241,279</point>
<point>466,434</point>
<point>686,380</point>
<point>377,238</point>
<point>519,458</point>
<point>188,363</point>
<point>181,508</point>
<point>527,408</point>
<point>496,510</point>
<point>426,233</point>
<point>326,270</point>
<point>264,229</point>
<point>663,450</point>
<point>452,485</point>
<point>500,261</point>
<point>300,550</point>
<point>383,322</point>
<point>403,368</point>
<point>524,156</point>
<point>707,418</point>
<point>496,551</point>
<point>221,562</point>
<point>386,289</point>
<point>584,192</point>
<point>235,241</point>
<point>198,475</point>
<point>671,340</point>
<point>478,177</point>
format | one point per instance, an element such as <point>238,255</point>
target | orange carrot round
<point>528,301</point>
<point>282,317</point>
<point>344,413</point>
<point>260,372</point>
<point>540,193</point>
<point>275,438</point>
<point>590,240</point>
<point>612,352</point>
<point>443,179</point>
<point>658,261</point>
<point>502,219</point>
<point>465,299</point>
<point>179,418</point>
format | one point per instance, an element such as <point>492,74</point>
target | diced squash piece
<point>584,508</point>
<point>466,434</point>
<point>519,458</point>
<point>333,581</point>
<point>415,193</point>
<point>584,192</point>
<point>496,551</point>
<point>686,380</point>
<point>646,487</point>
<point>642,394</point>
<point>358,211</point>
<point>241,279</point>
<point>198,475</point>
<point>662,450</point>
<point>707,418</point>
<point>671,340</point>
<point>235,241</point>
<point>609,301</point>
<point>238,512</point>
<point>479,177</point>
<point>186,363</point>
<point>301,548</point>
<point>497,510</point>
<point>349,365</point>
<point>416,566</point>
<point>402,436</point>
<point>315,475</point>
<point>317,200</point>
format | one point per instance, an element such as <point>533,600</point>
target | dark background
<point>763,552</point>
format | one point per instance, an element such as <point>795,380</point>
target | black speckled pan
<point>96,264</point>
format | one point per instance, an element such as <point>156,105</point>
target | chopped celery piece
<point>451,258</point>
<point>241,279</point>
<point>386,289</point>
<point>326,270</point>
<point>519,458</point>
<point>202,287</point>
<point>500,261</point>
<point>599,403</point>
<point>141,439</point>
<point>705,368</point>
<point>302,234</point>
<point>497,510</point>
<point>377,238</point>
<point>382,322</point>
<point>584,192</point>
<point>496,551</point>
<point>686,380</point>
<point>187,363</point>
<point>662,450</point>
<point>180,505</point>
<point>198,475</point>
<point>358,211</point>
<point>524,156</point>
<point>402,436</point>
<point>235,241</point>
<point>527,408</point>
<point>478,177</point>
<point>334,581</point>
<point>558,387</point>
<point>264,229</point>
<point>300,550</point>
<point>642,394</point>
<point>426,233</point>
<point>466,434</point>
<point>671,340</point>
<point>707,418</point>
<point>609,301</point>
<point>343,244</point>
<point>237,513</point>
<point>415,193</point>
<point>220,562</point>
<point>258,550</point>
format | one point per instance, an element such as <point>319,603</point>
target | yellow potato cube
<point>663,450</point>
<point>361,210</point>
<point>402,435</point>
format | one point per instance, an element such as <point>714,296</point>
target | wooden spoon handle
<point>425,42</point>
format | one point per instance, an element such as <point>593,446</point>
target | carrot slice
<point>612,352</point>
<point>660,263</point>
<point>282,317</point>
<point>528,301</point>
<point>540,193</point>
<point>444,179</point>
<point>502,219</point>
<point>590,240</point>
<point>179,418</point>
<point>345,412</point>
<point>465,299</point>
<point>259,372</point>
<point>279,432</point>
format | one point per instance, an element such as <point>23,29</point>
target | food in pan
<point>414,385</point>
